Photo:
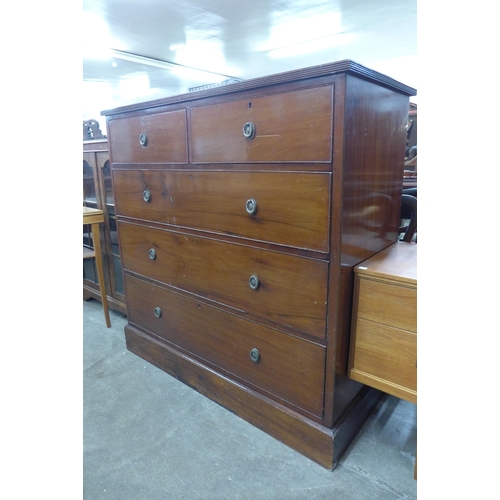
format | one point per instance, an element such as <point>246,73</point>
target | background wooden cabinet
<point>98,193</point>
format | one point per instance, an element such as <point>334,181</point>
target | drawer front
<point>289,127</point>
<point>290,208</point>
<point>392,305</point>
<point>160,137</point>
<point>286,367</point>
<point>386,353</point>
<point>286,289</point>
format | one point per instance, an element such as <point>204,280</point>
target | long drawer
<point>282,366</point>
<point>157,138</point>
<point>288,127</point>
<point>388,304</point>
<point>283,288</point>
<point>385,356</point>
<point>288,208</point>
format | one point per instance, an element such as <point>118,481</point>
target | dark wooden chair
<point>408,212</point>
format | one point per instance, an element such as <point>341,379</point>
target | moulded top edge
<point>344,66</point>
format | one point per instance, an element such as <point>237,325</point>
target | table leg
<point>96,237</point>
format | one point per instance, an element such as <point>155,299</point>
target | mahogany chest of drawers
<point>242,211</point>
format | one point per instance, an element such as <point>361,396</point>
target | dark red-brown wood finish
<point>242,211</point>
<point>97,193</point>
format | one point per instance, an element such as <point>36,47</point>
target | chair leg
<point>96,237</point>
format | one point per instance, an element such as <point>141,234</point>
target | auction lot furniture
<point>384,333</point>
<point>242,211</point>
<point>384,325</point>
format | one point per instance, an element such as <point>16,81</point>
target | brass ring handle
<point>157,312</point>
<point>251,206</point>
<point>146,195</point>
<point>152,253</point>
<point>249,130</point>
<point>254,355</point>
<point>143,140</point>
<point>254,282</point>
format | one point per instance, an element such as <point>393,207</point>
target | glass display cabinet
<point>98,193</point>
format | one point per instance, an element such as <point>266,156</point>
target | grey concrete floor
<point>147,436</point>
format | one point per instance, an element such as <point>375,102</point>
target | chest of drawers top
<point>280,118</point>
<point>397,263</point>
<point>293,126</point>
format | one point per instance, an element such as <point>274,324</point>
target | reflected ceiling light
<point>295,29</point>
<point>177,46</point>
<point>148,61</point>
<point>309,46</point>
<point>179,69</point>
<point>94,46</point>
<point>135,85</point>
<point>197,53</point>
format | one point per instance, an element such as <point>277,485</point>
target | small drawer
<point>152,138</point>
<point>388,304</point>
<point>282,366</point>
<point>279,287</point>
<point>289,208</point>
<point>288,127</point>
<point>385,358</point>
